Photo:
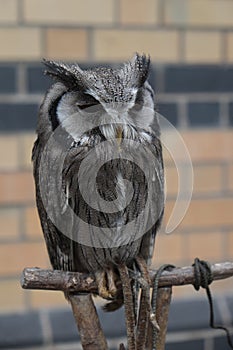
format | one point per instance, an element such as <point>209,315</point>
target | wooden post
<point>86,318</point>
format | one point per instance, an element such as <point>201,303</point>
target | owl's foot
<point>106,284</point>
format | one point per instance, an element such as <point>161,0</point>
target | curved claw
<point>106,284</point>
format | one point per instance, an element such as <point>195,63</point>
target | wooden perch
<point>35,278</point>
<point>92,336</point>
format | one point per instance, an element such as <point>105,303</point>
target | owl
<point>98,169</point>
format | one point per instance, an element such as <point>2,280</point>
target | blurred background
<point>191,47</point>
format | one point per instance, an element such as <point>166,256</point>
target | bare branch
<point>88,323</point>
<point>35,278</point>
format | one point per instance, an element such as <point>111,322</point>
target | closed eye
<point>84,106</point>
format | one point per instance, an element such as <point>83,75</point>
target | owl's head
<point>104,95</point>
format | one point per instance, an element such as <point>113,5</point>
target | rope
<point>203,278</point>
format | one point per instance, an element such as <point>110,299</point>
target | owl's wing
<point>148,240</point>
<point>58,245</point>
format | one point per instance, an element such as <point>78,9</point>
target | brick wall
<point>191,46</point>
<point>170,30</point>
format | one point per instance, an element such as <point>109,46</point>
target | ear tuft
<point>141,66</point>
<point>69,75</point>
<point>137,69</point>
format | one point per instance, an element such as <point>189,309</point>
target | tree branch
<point>35,278</point>
<point>87,321</point>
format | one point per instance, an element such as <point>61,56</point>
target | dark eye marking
<point>85,101</point>
<point>87,105</point>
<point>53,112</point>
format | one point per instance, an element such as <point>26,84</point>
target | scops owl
<point>98,169</point>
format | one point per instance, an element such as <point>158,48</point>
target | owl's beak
<point>119,132</point>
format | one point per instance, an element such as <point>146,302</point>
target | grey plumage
<point>90,107</point>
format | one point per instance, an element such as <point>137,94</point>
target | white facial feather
<point>78,121</point>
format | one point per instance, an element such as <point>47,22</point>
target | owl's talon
<point>105,294</point>
<point>106,285</point>
<point>111,283</point>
